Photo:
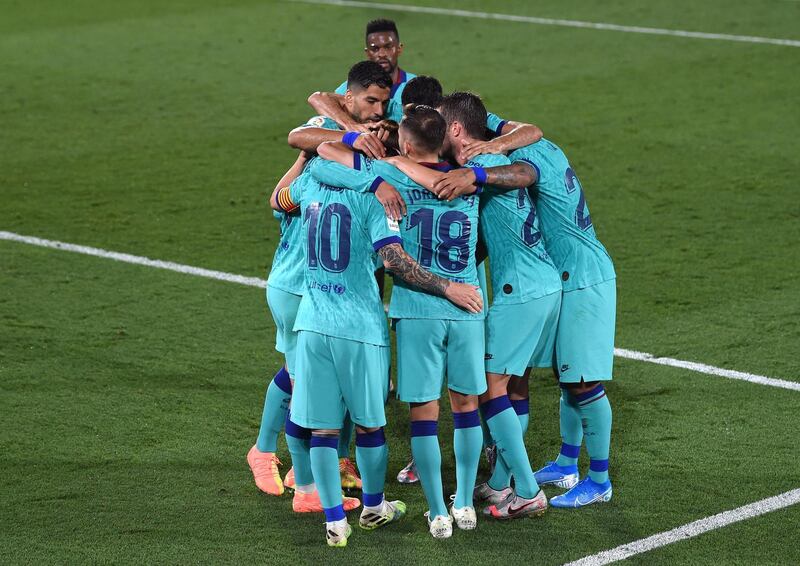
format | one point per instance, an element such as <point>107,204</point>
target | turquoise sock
<point>345,436</point>
<point>506,431</point>
<point>487,436</point>
<point>372,456</point>
<point>325,465</point>
<point>467,443</point>
<point>276,405</point>
<point>298,440</point>
<point>596,416</point>
<point>571,430</point>
<point>428,459</point>
<point>501,478</point>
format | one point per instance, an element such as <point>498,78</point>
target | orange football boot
<point>264,466</point>
<point>288,481</point>
<point>347,471</point>
<point>310,503</point>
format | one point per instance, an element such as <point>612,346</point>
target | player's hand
<point>455,183</point>
<point>370,145</point>
<point>353,126</point>
<point>479,148</point>
<point>466,296</point>
<point>392,202</point>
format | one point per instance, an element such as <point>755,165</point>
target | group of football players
<point>393,174</point>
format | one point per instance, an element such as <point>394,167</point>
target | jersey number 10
<point>335,216</point>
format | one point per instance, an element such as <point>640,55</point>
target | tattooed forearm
<point>403,266</point>
<point>515,175</point>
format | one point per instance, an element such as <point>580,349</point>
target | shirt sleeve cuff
<point>357,161</point>
<point>532,164</point>
<point>499,129</point>
<point>386,241</point>
<point>375,184</point>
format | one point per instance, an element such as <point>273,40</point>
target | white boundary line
<point>556,22</point>
<point>256,282</point>
<point>710,370</point>
<point>691,529</point>
<point>135,259</point>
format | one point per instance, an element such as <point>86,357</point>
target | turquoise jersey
<point>495,123</point>
<point>342,231</point>
<point>321,122</point>
<point>286,273</point>
<point>394,110</point>
<point>441,236</point>
<point>520,267</point>
<point>564,215</point>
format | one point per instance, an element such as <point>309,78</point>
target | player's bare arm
<point>291,174</point>
<point>513,136</point>
<point>387,194</point>
<point>402,265</point>
<point>332,105</point>
<point>462,181</point>
<point>309,139</point>
<point>425,176</point>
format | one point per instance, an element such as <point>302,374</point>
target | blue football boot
<point>565,477</point>
<point>586,492</point>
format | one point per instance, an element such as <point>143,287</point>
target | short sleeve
<point>382,230</point>
<point>495,123</point>
<point>342,88</point>
<point>337,175</point>
<point>524,156</point>
<point>320,122</point>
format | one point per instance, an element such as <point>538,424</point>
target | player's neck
<point>423,157</point>
<point>395,74</point>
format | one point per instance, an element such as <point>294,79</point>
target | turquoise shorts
<point>518,335</point>
<point>585,339</point>
<point>336,375</point>
<point>429,349</point>
<point>283,307</point>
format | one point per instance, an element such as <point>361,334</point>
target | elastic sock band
<point>494,406</point>
<point>349,138</point>
<point>570,450</point>
<point>598,392</point>
<point>283,381</point>
<point>598,465</point>
<point>334,513</point>
<point>467,419</point>
<point>295,430</point>
<point>324,441</point>
<point>424,428</point>
<point>521,406</point>
<point>372,499</point>
<point>371,439</point>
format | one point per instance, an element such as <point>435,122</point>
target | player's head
<point>465,115</point>
<point>368,86</point>
<point>421,131</point>
<point>383,44</point>
<point>422,90</point>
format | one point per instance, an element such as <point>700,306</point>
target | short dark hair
<point>367,73</point>
<point>425,125</point>
<point>422,90</point>
<point>376,26</point>
<point>468,110</point>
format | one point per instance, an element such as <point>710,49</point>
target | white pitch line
<point>256,282</point>
<point>703,368</point>
<point>691,529</point>
<point>556,22</point>
<point>135,259</point>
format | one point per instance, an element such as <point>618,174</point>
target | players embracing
<point>522,196</point>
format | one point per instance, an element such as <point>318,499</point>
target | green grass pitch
<point>129,396</point>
